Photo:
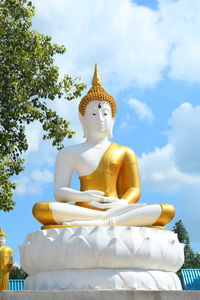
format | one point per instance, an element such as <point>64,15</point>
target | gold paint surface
<point>43,213</point>
<point>155,227</point>
<point>116,175</point>
<point>55,226</point>
<point>96,80</point>
<point>167,214</point>
<point>2,233</point>
<point>5,266</point>
<point>63,226</point>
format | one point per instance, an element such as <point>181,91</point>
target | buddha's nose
<point>100,117</point>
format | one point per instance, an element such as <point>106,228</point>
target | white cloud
<point>180,23</point>
<point>69,111</point>
<point>125,123</point>
<point>133,44</point>
<point>185,137</point>
<point>143,111</point>
<point>16,265</point>
<point>176,164</point>
<point>175,168</point>
<point>65,109</point>
<point>160,173</point>
<point>33,183</point>
<point>122,37</point>
<point>43,176</point>
<point>41,155</point>
<point>33,133</point>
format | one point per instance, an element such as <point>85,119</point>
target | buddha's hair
<point>97,93</point>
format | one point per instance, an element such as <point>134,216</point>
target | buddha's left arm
<point>128,182</point>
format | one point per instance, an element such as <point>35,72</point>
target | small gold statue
<point>6,261</point>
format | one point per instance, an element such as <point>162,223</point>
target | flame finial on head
<point>2,233</point>
<point>96,92</point>
<point>96,80</point>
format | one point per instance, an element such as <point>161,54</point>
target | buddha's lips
<point>102,127</point>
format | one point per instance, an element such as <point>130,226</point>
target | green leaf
<point>29,80</point>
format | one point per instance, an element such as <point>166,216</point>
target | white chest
<point>88,160</point>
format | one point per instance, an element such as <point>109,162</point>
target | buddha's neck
<point>98,142</point>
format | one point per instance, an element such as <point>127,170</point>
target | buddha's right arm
<point>65,165</point>
<point>66,194</point>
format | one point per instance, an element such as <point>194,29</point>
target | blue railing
<point>16,284</point>
<point>190,279</point>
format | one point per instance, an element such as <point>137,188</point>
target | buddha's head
<point>2,238</point>
<point>97,110</point>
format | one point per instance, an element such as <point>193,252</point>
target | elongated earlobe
<point>85,131</point>
<point>110,132</point>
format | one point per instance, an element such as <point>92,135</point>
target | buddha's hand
<point>92,196</point>
<point>109,202</point>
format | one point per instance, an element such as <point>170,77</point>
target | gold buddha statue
<point>6,261</point>
<point>108,173</point>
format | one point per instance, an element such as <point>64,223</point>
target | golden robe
<point>5,266</point>
<point>117,175</point>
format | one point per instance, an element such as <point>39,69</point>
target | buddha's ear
<point>110,132</point>
<point>85,132</point>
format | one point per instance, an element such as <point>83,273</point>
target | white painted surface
<point>123,215</point>
<point>101,247</point>
<point>101,279</point>
<point>2,241</point>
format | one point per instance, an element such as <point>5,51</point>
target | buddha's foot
<point>113,212</point>
<point>70,223</point>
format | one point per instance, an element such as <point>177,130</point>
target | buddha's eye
<point>94,114</point>
<point>105,114</point>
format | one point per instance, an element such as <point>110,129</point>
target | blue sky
<point>148,56</point>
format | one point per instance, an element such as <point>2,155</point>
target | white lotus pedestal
<point>102,258</point>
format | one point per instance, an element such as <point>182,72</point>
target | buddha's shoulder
<point>6,249</point>
<point>71,151</point>
<point>127,151</point>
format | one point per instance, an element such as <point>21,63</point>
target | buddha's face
<point>2,241</point>
<point>98,119</point>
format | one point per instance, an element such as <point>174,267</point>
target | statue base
<point>102,257</point>
<point>100,295</point>
<point>103,279</point>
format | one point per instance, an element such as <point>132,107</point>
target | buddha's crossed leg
<point>49,213</point>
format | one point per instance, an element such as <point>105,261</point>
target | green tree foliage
<point>28,81</point>
<point>17,273</point>
<point>192,259</point>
